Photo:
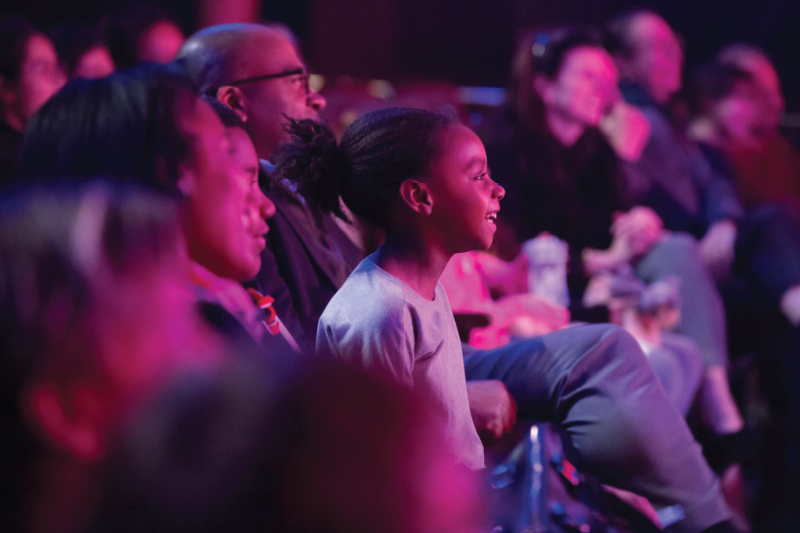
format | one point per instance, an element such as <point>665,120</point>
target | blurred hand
<point>717,247</point>
<point>492,408</point>
<point>598,291</point>
<point>626,129</point>
<point>640,503</point>
<point>640,228</point>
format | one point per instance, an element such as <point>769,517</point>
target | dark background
<point>470,42</point>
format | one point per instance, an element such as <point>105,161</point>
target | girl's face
<point>465,199</point>
<point>583,86</point>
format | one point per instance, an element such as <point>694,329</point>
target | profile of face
<point>465,200</point>
<point>657,57</point>
<point>268,102</point>
<point>225,211</point>
<point>160,42</point>
<point>40,78</point>
<point>583,86</point>
<point>743,114</point>
<point>95,63</point>
<point>765,75</point>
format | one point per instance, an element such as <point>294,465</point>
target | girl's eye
<point>480,176</point>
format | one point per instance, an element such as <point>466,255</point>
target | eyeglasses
<point>296,72</point>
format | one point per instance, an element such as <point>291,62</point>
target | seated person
<point>755,254</point>
<point>331,450</point>
<point>768,170</point>
<point>392,315</point>
<point>191,156</point>
<point>140,33</point>
<point>81,52</point>
<point>96,315</point>
<point>563,176</point>
<point>29,75</point>
<point>257,72</point>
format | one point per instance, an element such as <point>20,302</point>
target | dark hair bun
<point>315,163</point>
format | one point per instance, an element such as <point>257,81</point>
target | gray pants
<point>597,385</point>
<point>702,310</point>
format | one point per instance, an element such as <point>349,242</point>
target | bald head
<point>650,53</point>
<point>257,72</point>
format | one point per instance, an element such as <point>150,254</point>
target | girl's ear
<point>417,196</point>
<point>233,97</point>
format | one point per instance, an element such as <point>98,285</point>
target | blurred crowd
<point>235,296</point>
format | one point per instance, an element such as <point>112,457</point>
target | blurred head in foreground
<point>333,450</point>
<point>145,126</point>
<point>95,315</point>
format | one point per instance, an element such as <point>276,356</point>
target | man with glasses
<point>257,72</point>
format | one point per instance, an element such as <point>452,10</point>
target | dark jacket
<point>570,192</point>
<point>302,266</point>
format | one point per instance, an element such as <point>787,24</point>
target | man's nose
<point>316,101</point>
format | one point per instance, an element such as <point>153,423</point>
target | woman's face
<point>224,218</point>
<point>40,78</point>
<point>583,86</point>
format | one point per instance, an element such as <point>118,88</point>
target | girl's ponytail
<point>315,163</point>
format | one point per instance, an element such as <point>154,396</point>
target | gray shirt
<point>379,323</point>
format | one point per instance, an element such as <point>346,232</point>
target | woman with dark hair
<point>146,126</point>
<point>29,75</point>
<point>95,314</point>
<point>556,147</point>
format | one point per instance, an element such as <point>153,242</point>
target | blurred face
<point>223,232</point>
<point>269,100</point>
<point>148,331</point>
<point>742,114</point>
<point>465,199</point>
<point>160,42</point>
<point>40,78</point>
<point>258,207</point>
<point>767,79</point>
<point>657,57</point>
<point>583,86</point>
<point>95,63</point>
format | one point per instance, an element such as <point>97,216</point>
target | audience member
<point>139,32</point>
<point>81,52</point>
<point>257,72</point>
<point>96,316</point>
<point>563,177</point>
<point>402,163</point>
<point>29,75</point>
<point>761,247</point>
<point>767,170</point>
<point>329,450</point>
<point>189,155</point>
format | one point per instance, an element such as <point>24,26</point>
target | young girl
<point>424,180</point>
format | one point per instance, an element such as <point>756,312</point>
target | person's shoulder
<point>369,296</point>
